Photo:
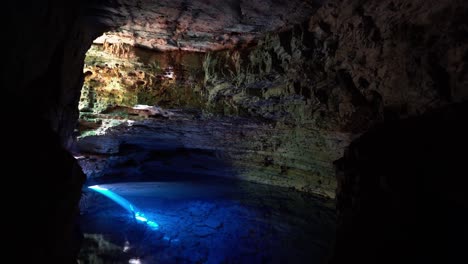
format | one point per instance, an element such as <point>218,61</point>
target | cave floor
<point>201,218</point>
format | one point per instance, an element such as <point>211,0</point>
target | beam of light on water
<point>137,215</point>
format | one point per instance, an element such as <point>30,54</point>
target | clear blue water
<point>132,209</point>
<point>213,221</point>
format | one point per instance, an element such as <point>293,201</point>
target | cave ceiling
<point>199,25</point>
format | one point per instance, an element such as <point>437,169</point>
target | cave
<point>303,131</point>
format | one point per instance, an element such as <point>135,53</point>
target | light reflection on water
<point>205,222</point>
<point>136,214</point>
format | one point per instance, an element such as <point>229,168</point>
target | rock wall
<point>202,25</point>
<point>353,60</point>
<point>121,75</point>
<point>41,80</point>
<point>284,79</point>
<point>354,64</point>
<point>46,61</point>
<point>411,53</point>
<point>400,195</point>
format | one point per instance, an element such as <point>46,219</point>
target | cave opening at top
<point>207,131</point>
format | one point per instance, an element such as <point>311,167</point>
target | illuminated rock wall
<point>127,76</point>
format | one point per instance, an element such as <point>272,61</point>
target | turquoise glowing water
<point>213,221</point>
<point>136,214</point>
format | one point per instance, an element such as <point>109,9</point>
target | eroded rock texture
<point>201,25</point>
<point>352,65</point>
<point>412,53</point>
<point>127,76</point>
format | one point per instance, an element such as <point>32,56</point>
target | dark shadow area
<point>402,192</point>
<point>40,219</point>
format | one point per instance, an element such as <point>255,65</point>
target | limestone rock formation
<point>136,76</point>
<point>355,60</point>
<point>201,25</point>
<point>411,53</point>
<point>351,66</point>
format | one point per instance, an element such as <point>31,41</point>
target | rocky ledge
<point>187,144</point>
